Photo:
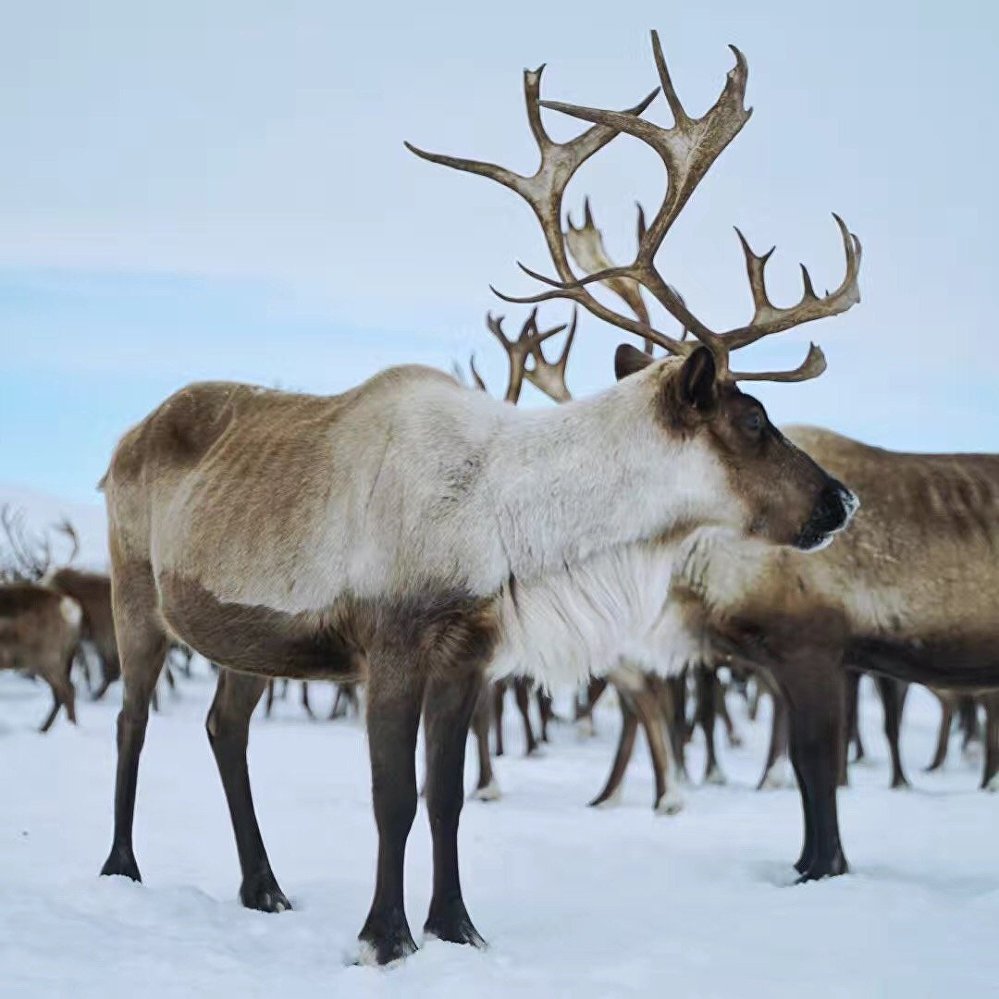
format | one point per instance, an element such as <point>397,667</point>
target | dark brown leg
<point>395,700</point>
<point>990,780</point>
<point>51,716</point>
<point>852,722</point>
<point>970,725</point>
<point>814,690</point>
<point>142,647</point>
<point>269,703</point>
<point>705,681</point>
<point>487,788</point>
<point>305,700</point>
<point>522,695</point>
<point>228,727</point>
<point>546,712</point>
<point>586,704</point>
<point>447,711</point>
<point>625,747</point>
<point>499,696</point>
<point>943,733</point>
<point>893,694</point>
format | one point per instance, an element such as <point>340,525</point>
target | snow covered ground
<point>574,901</point>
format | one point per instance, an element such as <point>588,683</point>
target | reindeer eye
<point>753,423</point>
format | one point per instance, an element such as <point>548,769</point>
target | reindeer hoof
<point>385,940</point>
<point>264,895</point>
<point>121,863</point>
<point>716,777</point>
<point>453,924</point>
<point>831,867</point>
<point>491,792</point>
<point>669,804</point>
<point>992,784</point>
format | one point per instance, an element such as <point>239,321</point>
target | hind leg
<point>142,647</point>
<point>625,747</point>
<point>228,726</point>
<point>522,695</point>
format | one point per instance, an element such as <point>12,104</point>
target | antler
<point>65,527</point>
<point>687,150</point>
<point>586,245</point>
<point>526,345</point>
<point>549,376</point>
<point>27,559</point>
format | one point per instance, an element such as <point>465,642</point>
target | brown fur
<point>911,591</point>
<point>92,591</point>
<point>37,637</point>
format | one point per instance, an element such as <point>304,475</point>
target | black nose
<point>835,506</point>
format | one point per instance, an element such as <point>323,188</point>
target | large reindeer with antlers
<point>418,532</point>
<point>39,628</point>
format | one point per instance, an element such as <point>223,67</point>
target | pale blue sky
<point>220,190</point>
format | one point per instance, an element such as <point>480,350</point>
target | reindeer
<point>92,591</point>
<point>417,532</point>
<point>39,629</point>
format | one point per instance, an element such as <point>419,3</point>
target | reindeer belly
<point>968,660</point>
<point>253,638</point>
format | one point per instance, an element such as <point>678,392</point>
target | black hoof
<point>901,784</point>
<point>452,923</point>
<point>121,863</point>
<point>819,869</point>
<point>264,895</point>
<point>385,939</point>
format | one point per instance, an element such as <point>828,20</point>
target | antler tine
<point>687,150</point>
<point>65,527</point>
<point>549,376</point>
<point>476,377</point>
<point>812,366</point>
<point>586,244</point>
<point>768,318</point>
<point>517,351</point>
<point>544,191</point>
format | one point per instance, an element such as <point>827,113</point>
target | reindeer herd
<point>416,537</point>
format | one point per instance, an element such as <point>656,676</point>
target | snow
<point>574,901</point>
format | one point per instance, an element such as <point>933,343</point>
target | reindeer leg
<point>395,699</point>
<point>625,747</point>
<point>545,712</point>
<point>522,695</point>
<point>305,700</point>
<point>893,694</point>
<point>648,707</point>
<point>943,734</point>
<point>721,709</point>
<point>487,788</point>
<point>852,700</point>
<point>51,716</point>
<point>777,750</point>
<point>228,727</point>
<point>705,682</point>
<point>814,692</point>
<point>499,696</point>
<point>990,770</point>
<point>448,708</point>
<point>269,703</point>
<point>142,646</point>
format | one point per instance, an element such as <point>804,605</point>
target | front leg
<point>815,703</point>
<point>395,695</point>
<point>448,709</point>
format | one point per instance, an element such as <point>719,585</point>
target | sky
<point>194,191</point>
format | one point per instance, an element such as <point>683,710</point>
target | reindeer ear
<point>698,384</point>
<point>628,360</point>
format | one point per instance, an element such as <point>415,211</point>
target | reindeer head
<point>782,496</point>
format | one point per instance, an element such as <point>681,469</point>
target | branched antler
<point>526,346</point>
<point>687,149</point>
<point>24,558</point>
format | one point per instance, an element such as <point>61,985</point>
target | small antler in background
<point>24,559</point>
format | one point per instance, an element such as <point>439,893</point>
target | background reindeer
<point>39,628</point>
